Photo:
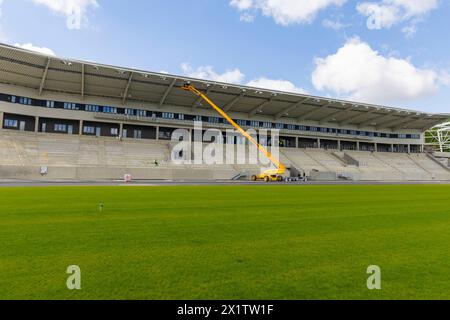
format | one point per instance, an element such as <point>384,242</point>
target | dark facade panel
<point>349,145</point>
<point>307,143</point>
<point>329,144</point>
<point>139,132</point>
<point>18,122</point>
<point>102,129</point>
<point>287,142</point>
<point>165,133</point>
<point>62,126</point>
<point>365,146</point>
<point>381,147</point>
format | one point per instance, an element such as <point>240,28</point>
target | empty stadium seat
<point>112,156</point>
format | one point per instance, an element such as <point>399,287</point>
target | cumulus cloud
<point>284,12</point>
<point>242,4</point>
<point>386,13</point>
<point>235,76</point>
<point>334,24</point>
<point>74,10</point>
<point>444,77</point>
<point>358,72</point>
<point>207,72</point>
<point>31,47</point>
<point>279,85</point>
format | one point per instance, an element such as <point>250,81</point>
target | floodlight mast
<point>268,175</point>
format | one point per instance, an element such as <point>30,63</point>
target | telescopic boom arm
<point>281,169</point>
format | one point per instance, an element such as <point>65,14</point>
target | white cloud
<point>279,85</point>
<point>242,4</point>
<point>444,77</point>
<point>207,72</point>
<point>31,47</point>
<point>335,25</point>
<point>74,10</point>
<point>285,12</point>
<point>235,76</point>
<point>247,17</point>
<point>359,73</point>
<point>410,30</point>
<point>386,13</point>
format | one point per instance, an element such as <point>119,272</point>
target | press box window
<point>60,127</point>
<point>168,115</point>
<point>109,110</point>
<point>242,123</point>
<point>291,127</point>
<point>91,108</point>
<point>50,104</point>
<point>26,101</point>
<point>213,119</point>
<point>89,130</point>
<point>11,123</point>
<point>70,106</point>
<point>254,124</point>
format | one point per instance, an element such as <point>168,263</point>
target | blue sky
<point>391,52</point>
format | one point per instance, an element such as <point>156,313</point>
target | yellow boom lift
<point>268,175</point>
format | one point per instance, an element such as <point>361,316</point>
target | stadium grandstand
<point>70,119</point>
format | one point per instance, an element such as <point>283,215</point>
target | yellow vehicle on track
<point>268,175</point>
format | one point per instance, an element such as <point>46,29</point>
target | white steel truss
<point>439,137</point>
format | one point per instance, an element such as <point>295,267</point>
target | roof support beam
<point>358,116</point>
<point>127,88</point>
<point>390,124</point>
<point>406,122</point>
<point>434,123</point>
<point>82,81</point>
<point>260,107</point>
<point>233,102</point>
<point>332,117</point>
<point>284,112</point>
<point>375,120</point>
<point>44,77</point>
<point>308,114</point>
<point>199,99</point>
<point>166,94</point>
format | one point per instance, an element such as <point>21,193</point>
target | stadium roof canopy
<point>52,74</point>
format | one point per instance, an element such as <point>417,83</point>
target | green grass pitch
<point>225,242</point>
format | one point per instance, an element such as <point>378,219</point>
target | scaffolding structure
<point>438,137</point>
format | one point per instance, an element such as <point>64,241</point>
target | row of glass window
<point>212,120</point>
<point>60,127</point>
<point>11,123</point>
